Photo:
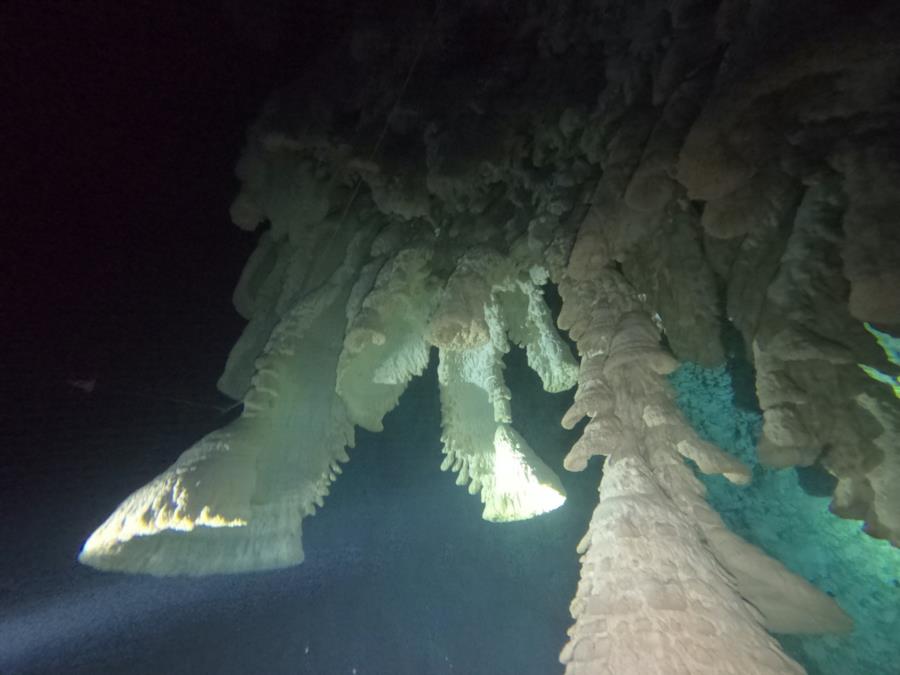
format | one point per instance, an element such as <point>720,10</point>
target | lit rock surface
<point>234,502</point>
<point>665,587</point>
<point>479,443</point>
<point>385,344</point>
<point>674,167</point>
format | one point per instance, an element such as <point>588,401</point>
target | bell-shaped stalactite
<point>235,501</point>
<point>480,444</point>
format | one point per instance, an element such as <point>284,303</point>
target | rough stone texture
<point>671,164</point>
<point>806,352</point>
<point>665,588</point>
<point>870,168</point>
<point>235,501</point>
<point>808,119</point>
<point>674,275</point>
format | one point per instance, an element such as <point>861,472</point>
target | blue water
<point>777,515</point>
<point>401,576</point>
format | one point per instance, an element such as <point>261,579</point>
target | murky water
<point>401,574</point>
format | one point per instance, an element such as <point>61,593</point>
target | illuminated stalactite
<point>672,166</point>
<point>342,356</point>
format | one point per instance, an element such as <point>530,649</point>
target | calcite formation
<point>672,166</point>
<point>341,356</point>
<point>665,586</point>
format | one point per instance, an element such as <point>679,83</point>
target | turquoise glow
<point>774,513</point>
<point>891,347</point>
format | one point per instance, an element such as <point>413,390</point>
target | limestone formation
<point>341,356</point>
<point>673,166</point>
<point>665,587</point>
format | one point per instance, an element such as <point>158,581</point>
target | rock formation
<point>665,586</point>
<point>672,165</point>
<point>361,327</point>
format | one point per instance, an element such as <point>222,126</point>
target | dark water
<point>402,575</point>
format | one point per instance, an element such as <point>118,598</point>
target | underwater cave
<point>544,337</point>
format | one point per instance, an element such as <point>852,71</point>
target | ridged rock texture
<point>665,586</point>
<point>673,166</point>
<point>362,325</point>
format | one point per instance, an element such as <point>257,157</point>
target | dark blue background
<point>402,575</point>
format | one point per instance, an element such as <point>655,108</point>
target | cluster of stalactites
<point>682,187</point>
<point>787,225</point>
<point>486,304</point>
<point>236,499</point>
<point>470,318</point>
<point>665,587</point>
